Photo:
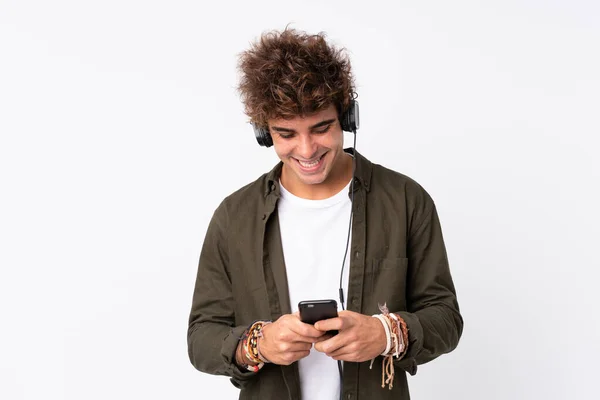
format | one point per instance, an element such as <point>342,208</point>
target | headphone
<point>348,120</point>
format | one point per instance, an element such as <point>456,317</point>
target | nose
<point>307,146</point>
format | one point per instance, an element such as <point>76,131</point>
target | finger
<point>303,339</point>
<point>291,328</point>
<point>345,356</point>
<point>326,336</point>
<point>331,345</point>
<point>287,336</point>
<point>298,346</point>
<point>281,349</point>
<point>293,356</point>
<point>349,352</point>
<point>296,355</point>
<point>305,330</point>
<point>332,324</point>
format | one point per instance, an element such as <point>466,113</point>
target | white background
<point>121,131</point>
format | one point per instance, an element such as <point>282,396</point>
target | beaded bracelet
<point>250,346</point>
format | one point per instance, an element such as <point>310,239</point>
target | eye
<point>323,130</point>
<point>285,135</point>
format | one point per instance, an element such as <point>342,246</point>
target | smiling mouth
<point>310,164</point>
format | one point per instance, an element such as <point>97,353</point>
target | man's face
<point>311,148</point>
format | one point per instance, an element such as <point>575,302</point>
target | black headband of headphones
<point>348,120</point>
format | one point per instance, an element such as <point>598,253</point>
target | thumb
<point>328,324</point>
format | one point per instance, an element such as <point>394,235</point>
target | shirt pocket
<point>387,284</point>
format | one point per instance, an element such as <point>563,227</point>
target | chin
<point>312,181</point>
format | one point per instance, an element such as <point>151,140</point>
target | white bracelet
<point>388,335</point>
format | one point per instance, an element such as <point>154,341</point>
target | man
<point>285,238</point>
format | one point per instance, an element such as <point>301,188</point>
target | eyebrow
<point>320,124</point>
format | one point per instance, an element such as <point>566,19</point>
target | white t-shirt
<point>313,235</point>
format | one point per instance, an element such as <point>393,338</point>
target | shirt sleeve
<point>212,335</point>
<point>433,318</point>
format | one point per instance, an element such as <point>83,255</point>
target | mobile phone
<point>312,311</point>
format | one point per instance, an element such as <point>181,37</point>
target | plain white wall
<point>121,131</point>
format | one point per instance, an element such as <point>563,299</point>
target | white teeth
<point>308,165</point>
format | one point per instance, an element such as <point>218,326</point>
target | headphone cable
<point>341,289</point>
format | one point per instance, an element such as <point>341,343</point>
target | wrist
<point>240,358</point>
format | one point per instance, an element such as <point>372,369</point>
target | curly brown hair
<point>291,73</point>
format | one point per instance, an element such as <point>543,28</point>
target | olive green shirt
<point>397,257</point>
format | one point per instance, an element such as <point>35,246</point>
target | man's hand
<point>288,339</point>
<point>360,337</point>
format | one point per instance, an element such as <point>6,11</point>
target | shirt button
<point>354,301</point>
<point>350,396</point>
<point>357,254</point>
<point>264,216</point>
